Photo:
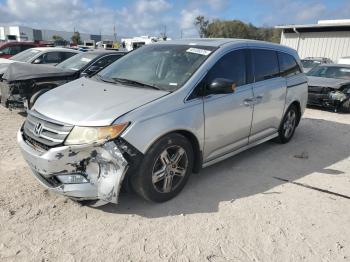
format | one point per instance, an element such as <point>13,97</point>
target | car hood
<point>327,82</point>
<point>88,102</point>
<point>24,71</point>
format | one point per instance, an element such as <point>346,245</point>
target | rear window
<point>265,64</point>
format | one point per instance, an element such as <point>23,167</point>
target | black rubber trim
<point>297,84</point>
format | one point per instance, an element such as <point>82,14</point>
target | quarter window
<point>265,64</point>
<point>231,66</point>
<point>288,65</point>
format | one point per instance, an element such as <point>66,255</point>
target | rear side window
<point>288,65</point>
<point>265,64</point>
<point>231,66</point>
<point>11,50</point>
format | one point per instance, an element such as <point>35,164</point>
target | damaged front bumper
<point>102,166</point>
<point>331,99</point>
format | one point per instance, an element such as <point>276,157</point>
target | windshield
<point>162,66</point>
<point>77,62</point>
<point>331,72</point>
<point>26,56</point>
<point>310,63</point>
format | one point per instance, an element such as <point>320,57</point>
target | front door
<point>228,117</point>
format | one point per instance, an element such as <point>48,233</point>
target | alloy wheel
<point>169,169</point>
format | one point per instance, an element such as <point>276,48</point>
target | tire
<point>345,106</point>
<point>288,125</point>
<point>165,169</point>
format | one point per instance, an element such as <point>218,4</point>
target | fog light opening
<point>72,179</point>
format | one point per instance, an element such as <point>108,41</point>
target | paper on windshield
<point>198,51</point>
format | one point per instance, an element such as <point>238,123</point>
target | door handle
<point>260,97</point>
<point>248,101</point>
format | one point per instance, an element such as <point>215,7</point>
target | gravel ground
<point>236,210</point>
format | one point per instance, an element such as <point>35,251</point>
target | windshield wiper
<point>107,80</point>
<point>133,82</point>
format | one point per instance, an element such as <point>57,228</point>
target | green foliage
<point>76,38</point>
<point>235,29</point>
<point>57,38</point>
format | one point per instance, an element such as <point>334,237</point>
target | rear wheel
<point>288,125</point>
<point>165,169</point>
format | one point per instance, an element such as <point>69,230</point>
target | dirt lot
<point>233,211</point>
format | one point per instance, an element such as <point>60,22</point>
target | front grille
<point>44,132</point>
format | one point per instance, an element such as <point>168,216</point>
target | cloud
<point>301,12</point>
<point>141,17</point>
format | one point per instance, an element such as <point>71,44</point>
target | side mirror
<point>37,61</point>
<point>222,86</point>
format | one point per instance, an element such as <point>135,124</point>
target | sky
<point>152,17</point>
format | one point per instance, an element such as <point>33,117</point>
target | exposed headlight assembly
<point>87,135</point>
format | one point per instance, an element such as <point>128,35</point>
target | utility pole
<point>115,34</point>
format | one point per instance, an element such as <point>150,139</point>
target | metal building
<point>327,38</point>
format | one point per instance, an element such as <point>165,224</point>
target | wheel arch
<point>197,152</point>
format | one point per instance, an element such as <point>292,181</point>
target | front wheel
<point>165,169</point>
<point>288,125</point>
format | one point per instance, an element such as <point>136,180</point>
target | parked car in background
<point>311,62</point>
<point>23,83</point>
<point>145,118</point>
<point>344,60</point>
<point>9,49</point>
<point>41,55</point>
<point>329,87</point>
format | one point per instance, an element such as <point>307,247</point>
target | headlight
<point>87,135</point>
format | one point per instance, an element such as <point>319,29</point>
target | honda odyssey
<point>160,113</point>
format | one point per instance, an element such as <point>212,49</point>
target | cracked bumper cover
<point>103,165</point>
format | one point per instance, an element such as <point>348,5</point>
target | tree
<point>235,29</point>
<point>57,38</point>
<point>76,38</point>
<point>202,25</point>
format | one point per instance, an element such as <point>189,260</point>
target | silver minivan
<point>160,113</point>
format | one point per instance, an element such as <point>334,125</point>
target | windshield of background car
<point>26,56</point>
<point>77,62</point>
<point>331,72</point>
<point>163,66</point>
<point>310,63</point>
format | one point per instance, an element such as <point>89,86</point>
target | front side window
<point>104,61</point>
<point>288,65</point>
<point>231,66</point>
<point>265,64</point>
<point>26,56</point>
<point>52,58</point>
<point>162,66</point>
